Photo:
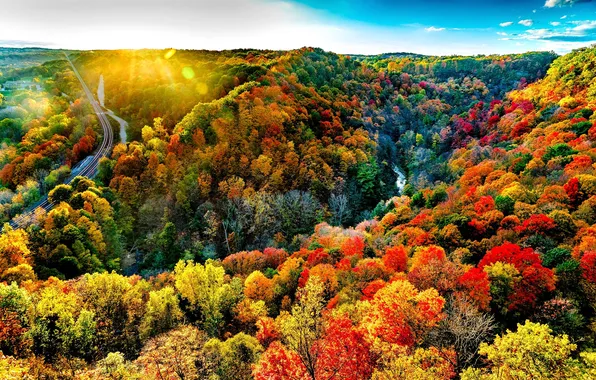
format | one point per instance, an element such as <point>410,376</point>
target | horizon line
<point>287,50</point>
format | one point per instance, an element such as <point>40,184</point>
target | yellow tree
<point>61,327</point>
<point>304,325</point>
<point>163,312</point>
<point>13,248</point>
<point>233,358</point>
<point>532,352</point>
<point>206,290</point>
<point>258,287</point>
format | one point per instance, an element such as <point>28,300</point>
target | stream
<point>400,183</point>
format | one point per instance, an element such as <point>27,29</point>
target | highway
<point>89,167</point>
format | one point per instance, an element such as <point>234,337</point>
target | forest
<point>299,215</point>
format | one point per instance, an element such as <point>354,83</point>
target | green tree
<point>60,193</point>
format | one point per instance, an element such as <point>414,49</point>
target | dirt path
<point>101,96</point>
<point>101,92</point>
<point>123,125</point>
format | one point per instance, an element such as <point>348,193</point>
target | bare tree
<point>338,204</point>
<point>463,329</point>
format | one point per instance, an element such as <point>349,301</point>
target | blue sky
<point>495,25</point>
<point>344,26</point>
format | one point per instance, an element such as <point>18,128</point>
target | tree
<point>258,287</point>
<point>280,363</point>
<point>14,320</point>
<point>353,246</point>
<point>232,359</point>
<point>304,326</point>
<point>244,263</point>
<point>396,259</point>
<point>588,265</point>
<point>166,241</point>
<point>400,315</point>
<point>343,352</point>
<point>115,367</point>
<point>422,363</point>
<point>14,248</point>
<point>326,274</point>
<point>537,224</point>
<point>105,295</point>
<point>463,329</point>
<point>60,193</point>
<point>530,352</point>
<point>268,331</point>
<point>60,326</point>
<point>476,285</point>
<point>338,204</point>
<point>535,281</point>
<point>505,204</point>
<point>431,269</point>
<point>176,354</point>
<point>209,296</point>
<point>163,312</point>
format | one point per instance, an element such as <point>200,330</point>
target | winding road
<point>88,167</point>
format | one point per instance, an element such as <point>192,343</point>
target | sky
<point>437,27</point>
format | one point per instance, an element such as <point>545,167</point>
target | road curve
<point>89,169</point>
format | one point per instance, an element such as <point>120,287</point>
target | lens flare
<point>188,72</point>
<point>202,88</point>
<point>170,53</point>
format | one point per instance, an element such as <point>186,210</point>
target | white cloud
<point>538,33</point>
<point>562,3</point>
<point>526,22</point>
<point>584,26</point>
<point>563,17</point>
<point>506,24</point>
<point>502,33</point>
<point>555,23</point>
<point>433,29</point>
<point>583,33</point>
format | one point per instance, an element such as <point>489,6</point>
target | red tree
<point>396,259</point>
<point>474,284</point>
<point>343,352</point>
<point>588,265</point>
<point>537,224</point>
<point>572,190</point>
<point>536,279</point>
<point>279,363</point>
<point>353,246</point>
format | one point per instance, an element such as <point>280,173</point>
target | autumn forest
<point>297,215</point>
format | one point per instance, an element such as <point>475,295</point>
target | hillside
<point>253,228</point>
